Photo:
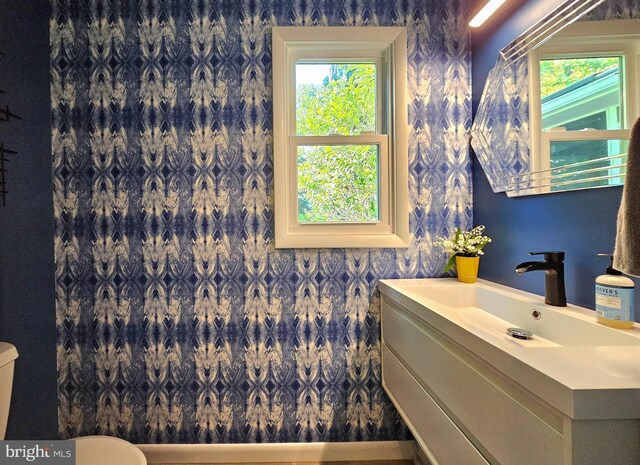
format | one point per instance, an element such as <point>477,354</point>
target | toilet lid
<point>107,450</point>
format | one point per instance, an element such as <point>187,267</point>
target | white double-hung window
<point>340,137</point>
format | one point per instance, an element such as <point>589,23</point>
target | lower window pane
<point>578,164</point>
<point>338,184</point>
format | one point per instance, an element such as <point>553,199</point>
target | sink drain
<point>519,333</point>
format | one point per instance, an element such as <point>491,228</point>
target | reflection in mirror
<point>558,117</point>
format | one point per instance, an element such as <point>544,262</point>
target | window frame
<point>386,46</point>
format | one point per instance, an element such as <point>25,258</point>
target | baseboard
<point>284,452</point>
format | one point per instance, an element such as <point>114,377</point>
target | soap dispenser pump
<point>614,298</point>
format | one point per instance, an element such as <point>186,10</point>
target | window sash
<point>384,200</point>
<point>337,57</point>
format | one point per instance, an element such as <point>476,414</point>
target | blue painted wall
<point>581,223</point>
<point>27,304</point>
<point>179,322</point>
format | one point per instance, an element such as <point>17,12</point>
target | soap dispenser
<point>614,298</point>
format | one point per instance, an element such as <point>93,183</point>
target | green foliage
<point>556,74</point>
<point>344,104</point>
<point>338,183</point>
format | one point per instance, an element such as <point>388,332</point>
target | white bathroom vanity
<point>473,395</point>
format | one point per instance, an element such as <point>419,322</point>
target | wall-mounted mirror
<point>556,110</point>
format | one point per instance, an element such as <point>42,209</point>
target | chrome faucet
<point>553,267</point>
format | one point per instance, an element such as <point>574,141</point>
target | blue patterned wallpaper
<point>178,321</point>
<point>614,9</point>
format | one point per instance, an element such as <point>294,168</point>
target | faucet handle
<point>554,256</point>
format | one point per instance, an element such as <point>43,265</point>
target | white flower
<point>464,243</point>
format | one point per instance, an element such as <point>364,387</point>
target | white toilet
<point>90,450</point>
<point>107,450</point>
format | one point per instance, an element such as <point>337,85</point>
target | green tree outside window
<point>337,183</point>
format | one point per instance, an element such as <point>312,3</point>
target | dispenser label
<point>614,303</point>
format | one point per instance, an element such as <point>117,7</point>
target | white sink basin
<point>488,310</point>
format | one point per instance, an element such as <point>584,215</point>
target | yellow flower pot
<point>467,268</point>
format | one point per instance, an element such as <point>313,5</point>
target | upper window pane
<point>581,93</point>
<point>335,98</point>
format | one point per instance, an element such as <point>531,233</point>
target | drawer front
<point>432,428</point>
<point>496,423</point>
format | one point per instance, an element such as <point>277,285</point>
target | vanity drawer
<point>496,421</point>
<point>432,428</point>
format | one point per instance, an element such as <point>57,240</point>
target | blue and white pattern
<point>614,9</point>
<point>500,132</point>
<point>178,320</point>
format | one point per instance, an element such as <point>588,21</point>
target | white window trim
<point>584,39</point>
<point>291,43</point>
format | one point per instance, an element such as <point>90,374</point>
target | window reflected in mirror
<point>583,94</point>
<point>582,103</point>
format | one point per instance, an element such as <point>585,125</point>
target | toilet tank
<point>8,354</point>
